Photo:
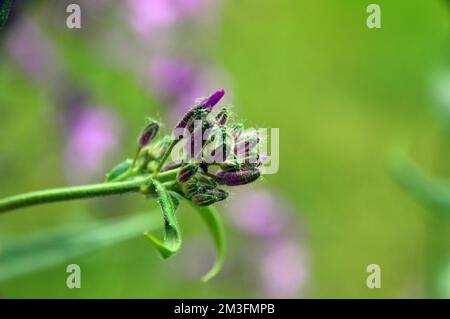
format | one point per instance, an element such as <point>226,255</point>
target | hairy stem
<point>70,193</point>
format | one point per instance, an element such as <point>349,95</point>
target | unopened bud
<point>187,172</point>
<point>209,197</point>
<point>213,99</point>
<point>190,188</point>
<point>204,199</point>
<point>148,134</point>
<point>191,115</point>
<point>238,177</point>
<point>207,183</point>
<point>219,193</point>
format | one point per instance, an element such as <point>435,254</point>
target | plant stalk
<point>165,157</point>
<point>70,193</point>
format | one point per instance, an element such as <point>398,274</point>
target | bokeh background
<point>364,118</point>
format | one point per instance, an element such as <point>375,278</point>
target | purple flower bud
<point>148,134</point>
<point>185,119</point>
<point>189,115</point>
<point>239,177</point>
<point>214,99</point>
<point>200,111</point>
<point>187,172</point>
<point>221,173</point>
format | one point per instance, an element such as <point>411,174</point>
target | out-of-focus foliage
<point>432,192</point>
<point>20,255</point>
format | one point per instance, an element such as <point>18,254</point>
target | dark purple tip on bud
<point>203,199</point>
<point>214,99</point>
<point>148,134</point>
<point>238,177</point>
<point>187,172</point>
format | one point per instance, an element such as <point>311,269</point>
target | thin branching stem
<point>165,157</point>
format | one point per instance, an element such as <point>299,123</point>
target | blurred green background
<point>342,95</point>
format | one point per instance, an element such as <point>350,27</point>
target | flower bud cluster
<point>225,154</point>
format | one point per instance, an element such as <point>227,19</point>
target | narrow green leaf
<point>25,254</point>
<point>172,236</point>
<point>176,198</point>
<point>433,192</point>
<point>118,170</point>
<point>214,222</point>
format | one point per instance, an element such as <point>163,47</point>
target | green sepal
<point>171,243</point>
<point>214,222</point>
<point>119,169</point>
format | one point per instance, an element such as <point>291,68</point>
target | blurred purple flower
<point>284,265</point>
<point>180,82</point>
<point>284,269</point>
<point>31,50</point>
<point>147,16</point>
<point>93,135</point>
<point>173,77</point>
<point>188,8</point>
<point>258,212</point>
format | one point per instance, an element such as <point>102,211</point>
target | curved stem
<point>70,193</point>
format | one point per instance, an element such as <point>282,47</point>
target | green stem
<point>165,157</point>
<point>70,193</point>
<point>167,176</point>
